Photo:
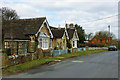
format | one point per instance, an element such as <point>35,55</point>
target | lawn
<point>37,63</point>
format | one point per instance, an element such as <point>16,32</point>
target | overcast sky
<point>72,11</point>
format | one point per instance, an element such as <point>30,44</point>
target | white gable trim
<point>63,35</point>
<point>66,33</point>
<point>45,21</point>
<point>76,35</point>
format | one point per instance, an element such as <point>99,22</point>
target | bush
<point>95,45</point>
<point>8,51</point>
<point>81,45</point>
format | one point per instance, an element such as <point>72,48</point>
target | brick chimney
<point>71,25</point>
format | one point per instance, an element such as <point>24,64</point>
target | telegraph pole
<point>109,34</point>
<point>109,28</point>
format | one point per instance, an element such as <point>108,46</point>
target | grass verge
<point>29,65</point>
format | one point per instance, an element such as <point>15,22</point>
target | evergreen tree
<point>81,34</point>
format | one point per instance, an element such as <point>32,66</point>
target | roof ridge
<point>58,29</point>
<point>32,18</point>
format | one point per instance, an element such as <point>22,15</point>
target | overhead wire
<point>100,19</point>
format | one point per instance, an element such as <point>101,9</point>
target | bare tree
<point>9,14</point>
<point>89,36</point>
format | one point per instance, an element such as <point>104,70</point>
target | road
<point>98,65</point>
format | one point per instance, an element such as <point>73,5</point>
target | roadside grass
<point>81,53</point>
<point>31,64</point>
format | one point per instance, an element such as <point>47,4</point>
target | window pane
<point>50,43</point>
<point>73,43</point>
<point>40,43</point>
<point>46,43</point>
<point>43,43</point>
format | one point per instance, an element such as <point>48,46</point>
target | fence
<point>97,48</point>
<point>79,49</point>
<point>21,58</point>
<point>59,52</point>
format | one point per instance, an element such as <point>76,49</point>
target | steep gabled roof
<point>22,27</point>
<point>52,27</point>
<point>70,32</point>
<point>58,33</point>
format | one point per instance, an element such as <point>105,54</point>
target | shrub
<point>95,45</point>
<point>81,45</point>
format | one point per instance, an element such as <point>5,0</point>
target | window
<point>6,45</point>
<point>73,43</point>
<point>43,40</point>
<point>43,43</point>
<point>50,43</point>
<point>40,43</point>
<point>57,44</point>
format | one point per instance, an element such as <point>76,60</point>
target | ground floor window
<point>43,40</point>
<point>43,43</point>
<point>50,43</point>
<point>17,47</point>
<point>75,44</point>
<point>40,42</point>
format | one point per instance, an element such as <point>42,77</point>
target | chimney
<point>71,25</point>
<point>59,27</point>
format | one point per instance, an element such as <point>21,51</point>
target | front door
<point>63,45</point>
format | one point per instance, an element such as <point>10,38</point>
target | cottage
<point>25,35</point>
<point>59,38</point>
<point>73,36</point>
<point>33,32</point>
<point>63,34</point>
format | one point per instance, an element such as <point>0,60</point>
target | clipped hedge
<point>95,45</point>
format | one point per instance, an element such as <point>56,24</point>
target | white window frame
<point>50,43</point>
<point>74,43</point>
<point>40,41</point>
<point>57,44</point>
<point>6,45</point>
<point>44,43</point>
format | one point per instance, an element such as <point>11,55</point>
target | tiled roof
<point>58,33</point>
<point>70,32</point>
<point>22,27</point>
<point>52,27</point>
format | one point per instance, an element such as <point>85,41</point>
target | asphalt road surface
<point>98,65</point>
